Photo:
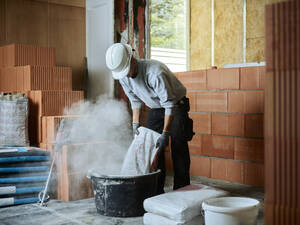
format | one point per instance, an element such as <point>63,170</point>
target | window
<point>168,33</point>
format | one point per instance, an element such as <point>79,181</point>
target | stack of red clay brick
<point>31,70</point>
<point>227,107</point>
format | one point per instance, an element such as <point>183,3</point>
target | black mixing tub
<point>123,196</point>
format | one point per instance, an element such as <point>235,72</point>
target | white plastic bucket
<point>230,211</point>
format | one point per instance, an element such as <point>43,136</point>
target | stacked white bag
<point>180,207</point>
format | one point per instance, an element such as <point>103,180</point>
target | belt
<point>181,101</point>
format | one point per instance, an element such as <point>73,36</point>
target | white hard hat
<point>118,57</point>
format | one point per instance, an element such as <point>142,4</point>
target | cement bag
<point>152,219</point>
<point>183,204</point>
<point>141,153</point>
<point>13,120</point>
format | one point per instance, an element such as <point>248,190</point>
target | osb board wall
<point>228,16</point>
<point>200,37</point>
<point>47,24</point>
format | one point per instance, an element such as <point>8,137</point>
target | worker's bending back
<point>151,82</point>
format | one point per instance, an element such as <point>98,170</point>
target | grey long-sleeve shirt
<point>155,85</point>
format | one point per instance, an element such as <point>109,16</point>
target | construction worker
<point>151,82</point>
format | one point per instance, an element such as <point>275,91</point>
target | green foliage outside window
<point>168,24</point>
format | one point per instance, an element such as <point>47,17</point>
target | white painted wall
<point>99,36</point>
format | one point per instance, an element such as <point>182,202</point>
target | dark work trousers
<point>179,145</point>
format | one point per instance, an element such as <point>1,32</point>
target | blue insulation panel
<point>22,179</point>
<point>23,159</point>
<point>23,169</point>
<point>25,200</point>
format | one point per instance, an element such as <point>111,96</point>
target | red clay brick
<point>192,99</point>
<point>250,78</point>
<point>218,168</point>
<point>202,122</point>
<point>193,80</point>
<point>48,103</point>
<point>200,166</point>
<point>195,145</point>
<point>249,149</point>
<point>211,102</point>
<point>254,174</point>
<point>219,124</point>
<point>228,170</point>
<point>218,146</point>
<point>235,171</point>
<point>254,125</point>
<point>45,56</point>
<point>236,125</point>
<point>223,78</point>
<point>26,78</point>
<point>254,102</point>
<point>52,103</point>
<point>228,124</point>
<point>21,55</point>
<point>246,101</point>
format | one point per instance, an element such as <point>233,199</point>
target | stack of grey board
<point>23,174</point>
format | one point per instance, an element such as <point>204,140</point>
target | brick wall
<point>227,107</point>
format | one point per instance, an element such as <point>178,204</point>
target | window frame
<point>148,36</point>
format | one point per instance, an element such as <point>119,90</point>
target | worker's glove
<point>135,127</point>
<point>163,141</point>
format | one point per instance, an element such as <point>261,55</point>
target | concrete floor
<point>84,211</point>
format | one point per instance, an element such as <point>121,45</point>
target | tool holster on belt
<point>184,105</point>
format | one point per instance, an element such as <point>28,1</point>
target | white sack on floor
<point>141,153</point>
<point>183,204</point>
<point>152,219</point>
<point>13,120</point>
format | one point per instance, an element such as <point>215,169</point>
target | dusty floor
<point>84,211</point>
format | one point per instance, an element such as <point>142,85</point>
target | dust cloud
<point>99,137</point>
